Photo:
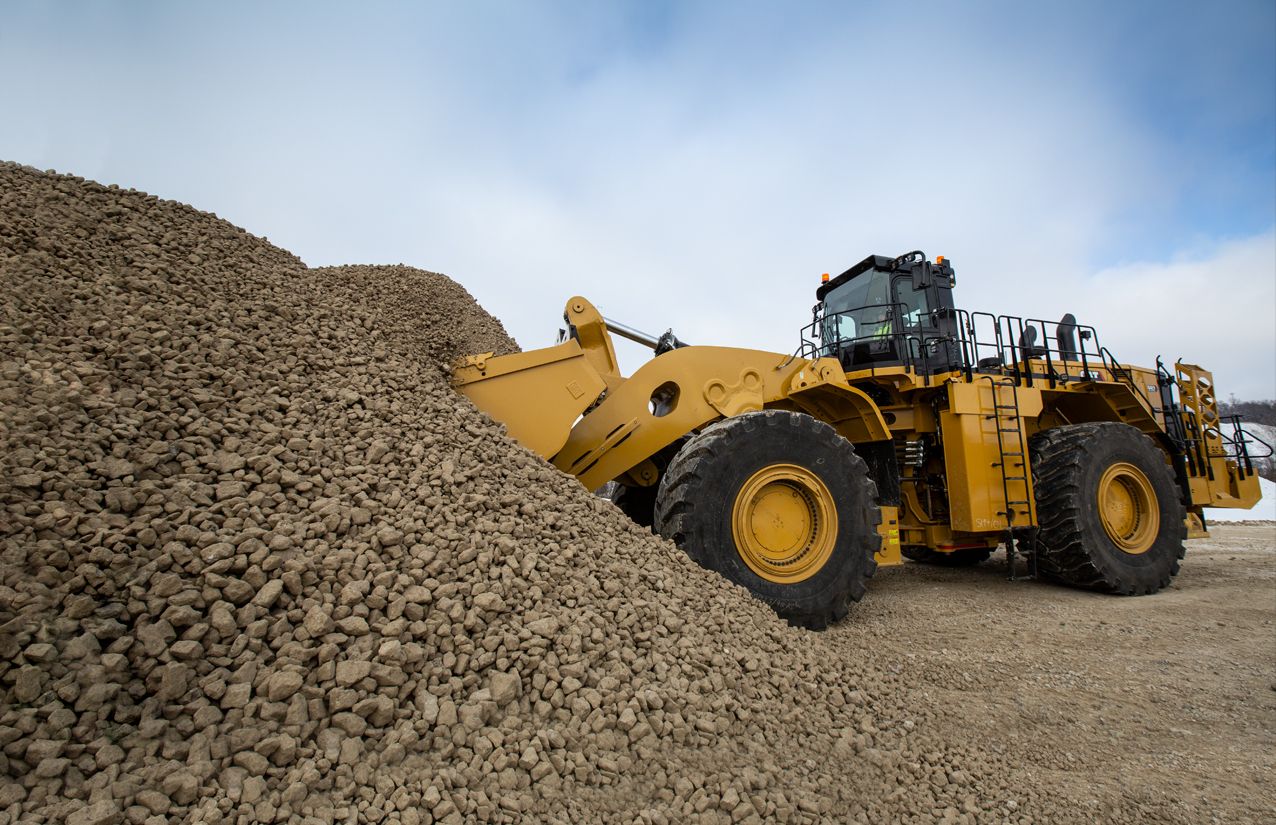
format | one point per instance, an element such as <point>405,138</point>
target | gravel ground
<point>1156,709</point>
<point>258,563</point>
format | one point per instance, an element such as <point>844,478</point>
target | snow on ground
<point>1264,431</point>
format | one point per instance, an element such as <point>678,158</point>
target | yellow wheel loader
<point>901,427</point>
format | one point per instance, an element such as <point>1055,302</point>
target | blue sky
<point>698,165</point>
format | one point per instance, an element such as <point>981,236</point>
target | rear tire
<point>780,503</point>
<point>1109,513</point>
<point>966,557</point>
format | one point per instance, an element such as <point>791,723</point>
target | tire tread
<point>1059,458</point>
<point>688,473</point>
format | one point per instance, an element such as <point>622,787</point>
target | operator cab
<point>888,312</point>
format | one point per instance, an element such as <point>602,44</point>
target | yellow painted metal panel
<point>889,554</point>
<point>976,495</point>
<point>709,383</point>
<point>536,395</point>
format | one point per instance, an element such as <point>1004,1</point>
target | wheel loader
<point>900,427</point>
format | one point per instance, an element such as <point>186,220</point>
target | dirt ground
<point>1165,705</point>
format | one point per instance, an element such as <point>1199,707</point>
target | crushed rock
<point>261,564</point>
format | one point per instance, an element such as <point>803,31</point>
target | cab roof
<point>871,262</point>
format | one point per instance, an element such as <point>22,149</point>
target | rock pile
<point>261,564</point>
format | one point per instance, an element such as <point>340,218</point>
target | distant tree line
<point>1259,412</point>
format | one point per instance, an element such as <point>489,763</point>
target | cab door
<point>927,330</point>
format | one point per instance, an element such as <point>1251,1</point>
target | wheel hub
<point>1127,508</point>
<point>784,523</point>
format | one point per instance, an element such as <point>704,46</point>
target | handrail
<point>984,336</point>
<point>1250,437</point>
<point>1239,442</point>
<point>1123,375</point>
<point>909,345</point>
<point>1003,338</point>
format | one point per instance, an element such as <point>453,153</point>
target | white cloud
<point>701,180</point>
<point>1217,310</point>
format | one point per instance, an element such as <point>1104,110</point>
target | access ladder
<point>1012,464</point>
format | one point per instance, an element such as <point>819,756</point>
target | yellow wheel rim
<point>784,523</point>
<point>1128,509</point>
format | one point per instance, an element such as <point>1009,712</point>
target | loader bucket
<point>537,395</point>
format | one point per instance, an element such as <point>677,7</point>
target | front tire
<point>639,503</point>
<point>780,503</point>
<point>1109,513</point>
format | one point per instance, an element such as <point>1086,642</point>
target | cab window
<point>914,304</point>
<point>854,309</point>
